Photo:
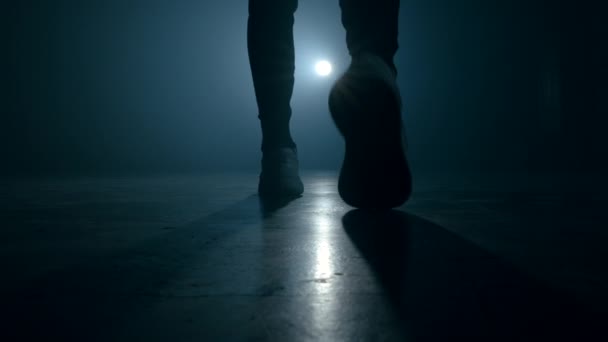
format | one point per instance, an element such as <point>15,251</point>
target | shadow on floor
<point>94,299</point>
<point>270,205</point>
<point>445,288</point>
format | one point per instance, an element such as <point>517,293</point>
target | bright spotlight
<point>323,68</point>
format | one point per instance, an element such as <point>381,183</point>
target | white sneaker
<point>280,173</point>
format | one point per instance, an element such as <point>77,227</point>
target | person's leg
<point>272,60</point>
<point>366,106</point>
<point>371,27</point>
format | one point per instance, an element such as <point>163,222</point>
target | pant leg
<point>371,26</point>
<point>272,60</point>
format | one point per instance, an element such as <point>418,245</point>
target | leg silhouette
<point>271,57</point>
<point>365,102</point>
<point>366,106</point>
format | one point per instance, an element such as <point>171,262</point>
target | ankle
<point>375,58</point>
<point>270,146</point>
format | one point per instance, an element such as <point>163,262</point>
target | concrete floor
<point>202,259</point>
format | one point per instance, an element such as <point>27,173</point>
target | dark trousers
<point>371,26</point>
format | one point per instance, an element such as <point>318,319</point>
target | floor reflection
<point>304,270</point>
<point>322,224</point>
<point>323,260</point>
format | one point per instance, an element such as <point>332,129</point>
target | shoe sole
<point>375,172</point>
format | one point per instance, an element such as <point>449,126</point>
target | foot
<point>280,177</point>
<point>365,105</point>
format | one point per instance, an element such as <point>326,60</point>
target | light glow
<point>323,68</point>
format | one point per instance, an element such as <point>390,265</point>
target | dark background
<point>162,86</point>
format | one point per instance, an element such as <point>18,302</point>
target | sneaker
<point>365,105</point>
<point>280,177</point>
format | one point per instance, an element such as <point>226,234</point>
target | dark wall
<point>128,86</point>
<point>139,86</point>
<point>583,51</point>
<point>506,85</point>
